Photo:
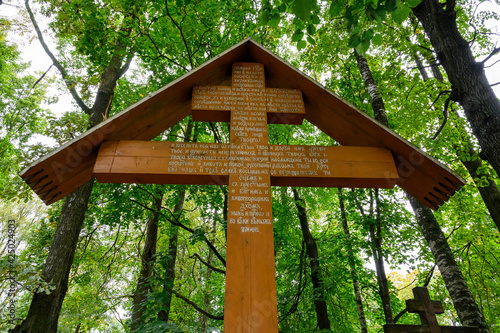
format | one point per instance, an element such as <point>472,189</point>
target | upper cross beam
<point>213,103</point>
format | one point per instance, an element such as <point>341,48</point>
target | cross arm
<point>209,163</point>
<point>213,103</point>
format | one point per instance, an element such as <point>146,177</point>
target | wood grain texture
<point>208,164</point>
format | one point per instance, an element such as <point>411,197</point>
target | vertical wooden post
<point>250,302</point>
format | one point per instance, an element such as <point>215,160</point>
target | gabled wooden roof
<point>59,173</point>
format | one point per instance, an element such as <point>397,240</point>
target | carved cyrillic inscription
<point>284,100</point>
<point>287,165</point>
<point>211,98</point>
<point>250,199</point>
<point>213,103</point>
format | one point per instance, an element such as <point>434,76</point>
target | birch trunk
<point>463,301</point>
<point>352,266</point>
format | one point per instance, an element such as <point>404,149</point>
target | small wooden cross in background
<point>427,311</point>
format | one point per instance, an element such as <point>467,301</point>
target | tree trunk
<point>463,301</point>
<point>383,286</point>
<point>378,257</point>
<point>44,310</point>
<point>312,253</point>
<point>352,266</point>
<point>375,230</point>
<point>168,285</point>
<point>377,102</point>
<point>470,88</point>
<point>206,298</point>
<point>490,193</point>
<point>147,262</point>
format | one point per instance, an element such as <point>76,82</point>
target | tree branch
<point>495,51</point>
<point>429,276</point>
<point>125,66</point>
<point>197,308</point>
<point>445,114</point>
<point>196,255</point>
<point>41,77</point>
<point>182,35</point>
<point>69,84</point>
<point>174,220</point>
<point>399,315</point>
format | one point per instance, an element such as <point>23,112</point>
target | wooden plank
<point>285,106</point>
<point>321,166</point>
<point>162,162</point>
<point>213,103</point>
<point>415,306</point>
<point>250,303</point>
<point>332,166</point>
<point>390,328</point>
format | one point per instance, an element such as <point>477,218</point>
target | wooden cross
<point>427,311</point>
<point>249,165</point>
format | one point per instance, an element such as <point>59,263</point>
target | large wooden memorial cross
<point>427,311</point>
<point>249,165</point>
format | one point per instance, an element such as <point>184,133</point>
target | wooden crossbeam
<point>213,103</point>
<point>154,162</point>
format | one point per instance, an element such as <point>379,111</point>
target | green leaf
<point>282,8</point>
<point>297,36</point>
<point>380,13</point>
<point>377,39</point>
<point>315,19</point>
<point>311,29</point>
<point>401,13</point>
<point>301,44</point>
<point>413,3</point>
<point>391,5</point>
<point>363,46</point>
<point>311,40</point>
<point>264,17</point>
<point>354,40</point>
<point>303,8</point>
<point>275,20</point>
<point>336,8</point>
<point>368,34</point>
